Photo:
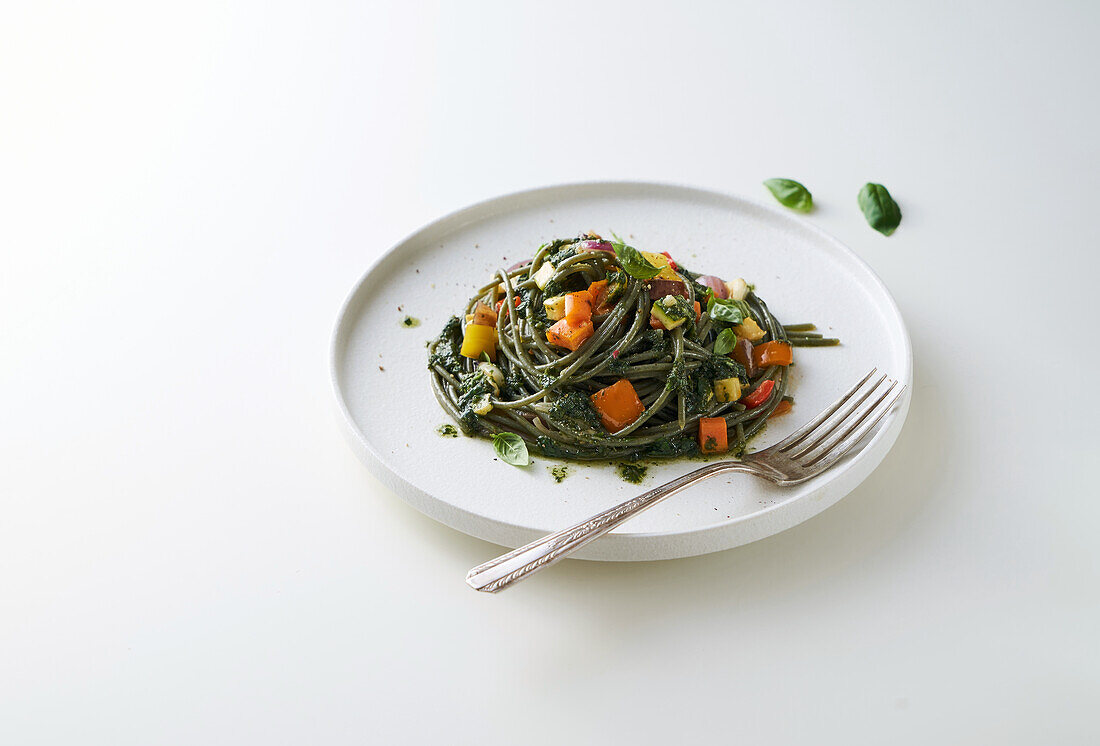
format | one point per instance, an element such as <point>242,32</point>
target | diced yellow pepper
<point>728,389</point>
<point>479,339</point>
<point>750,330</point>
<point>660,260</point>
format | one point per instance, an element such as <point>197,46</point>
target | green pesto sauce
<point>633,473</point>
<point>409,322</point>
<point>447,431</point>
<point>559,472</point>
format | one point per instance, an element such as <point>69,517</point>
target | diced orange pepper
<point>564,334</point>
<point>698,311</point>
<point>598,294</point>
<point>618,405</point>
<point>783,407</point>
<point>772,353</point>
<point>484,316</point>
<point>713,435</point>
<point>578,307</point>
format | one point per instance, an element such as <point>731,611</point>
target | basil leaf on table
<point>511,449</point>
<point>728,310</point>
<point>791,194</point>
<point>725,342</point>
<point>633,263</point>
<point>880,209</point>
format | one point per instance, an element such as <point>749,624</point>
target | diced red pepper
<point>759,395</point>
<point>500,302</point>
<point>671,263</point>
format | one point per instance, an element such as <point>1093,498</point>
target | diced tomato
<point>759,395</point>
<point>772,353</point>
<point>670,262</point>
<point>618,405</point>
<point>564,334</point>
<point>713,435</point>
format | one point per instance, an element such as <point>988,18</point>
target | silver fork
<point>809,451</point>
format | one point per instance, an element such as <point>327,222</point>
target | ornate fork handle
<point>516,565</point>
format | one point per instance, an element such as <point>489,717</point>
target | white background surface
<point>189,553</point>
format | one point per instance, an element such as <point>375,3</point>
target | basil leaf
<point>633,263</point>
<point>728,310</point>
<point>880,209</point>
<point>791,194</point>
<point>511,449</point>
<point>725,343</point>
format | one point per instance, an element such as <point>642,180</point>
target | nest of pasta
<point>593,350</point>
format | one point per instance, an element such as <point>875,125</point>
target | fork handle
<point>507,569</point>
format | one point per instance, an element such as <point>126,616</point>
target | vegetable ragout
<point>594,350</point>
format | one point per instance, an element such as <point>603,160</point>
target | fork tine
<point>794,438</point>
<point>855,432</point>
<point>838,418</point>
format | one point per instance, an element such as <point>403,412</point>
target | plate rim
<point>874,450</point>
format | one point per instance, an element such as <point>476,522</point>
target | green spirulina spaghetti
<point>542,392</point>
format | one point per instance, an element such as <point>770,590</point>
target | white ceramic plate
<point>381,379</point>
